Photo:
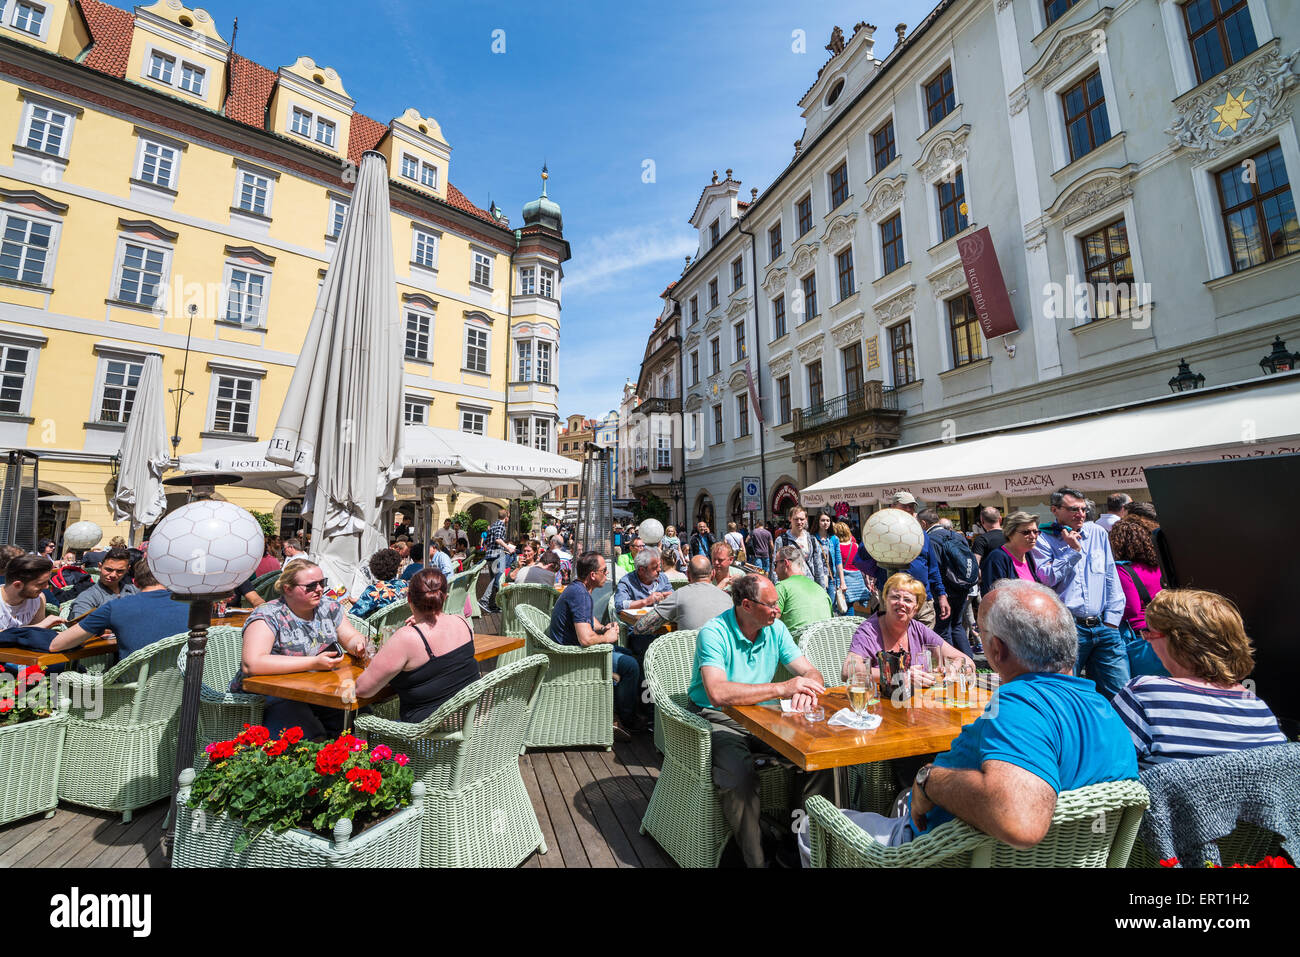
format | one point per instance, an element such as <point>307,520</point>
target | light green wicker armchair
<point>264,585</point>
<point>394,613</point>
<point>512,597</point>
<point>684,815</point>
<point>222,713</point>
<point>1094,826</point>
<point>575,705</point>
<point>461,587</point>
<point>120,750</point>
<point>467,753</point>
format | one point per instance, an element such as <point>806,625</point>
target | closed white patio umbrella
<point>140,497</point>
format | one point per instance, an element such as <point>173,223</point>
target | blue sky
<point>594,90</point>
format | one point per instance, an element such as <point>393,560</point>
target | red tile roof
<point>251,86</point>
<point>110,33</point>
<point>668,290</point>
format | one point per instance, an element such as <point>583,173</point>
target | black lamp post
<point>1279,360</point>
<point>854,449</point>
<point>677,489</point>
<point>1186,380</point>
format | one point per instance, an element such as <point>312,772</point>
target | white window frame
<point>474,410</point>
<point>217,374</point>
<point>1180,51</point>
<point>887,353</point>
<point>663,451</point>
<point>296,113</point>
<point>546,283</point>
<point>487,349</point>
<point>412,312</point>
<point>56,228</point>
<point>119,261</point>
<point>831,165</point>
<point>240,173</point>
<point>141,148</point>
<point>431,172</point>
<point>429,237</point>
<point>336,204</point>
<point>853,264</point>
<point>202,72</point>
<point>259,321</point>
<point>889,116</point>
<point>527,280</point>
<point>524,434</point>
<point>523,360</point>
<point>410,167</point>
<point>947,58</point>
<point>326,133</point>
<point>542,437</point>
<point>168,65</point>
<point>33,346</point>
<point>545,370</point>
<point>10,15</point>
<point>179,63</point>
<point>1074,252</point>
<point>481,260</point>
<point>1099,61</point>
<point>412,402</point>
<point>53,106</point>
<point>101,372</point>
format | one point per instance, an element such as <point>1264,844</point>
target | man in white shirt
<point>25,578</point>
<point>446,535</point>
<point>1114,510</point>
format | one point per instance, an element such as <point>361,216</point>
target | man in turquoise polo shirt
<point>736,657</point>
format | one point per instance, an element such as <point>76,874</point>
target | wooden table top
<point>43,659</point>
<point>328,688</point>
<point>928,727</point>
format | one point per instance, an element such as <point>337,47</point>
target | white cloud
<point>605,257</point>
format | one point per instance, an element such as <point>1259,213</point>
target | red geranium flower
<point>220,750</point>
<point>365,780</point>
<point>255,735</point>
<point>345,742</point>
<point>1278,861</point>
<point>292,735</point>
<point>382,752</point>
<point>1171,862</point>
<point>401,760</point>
<point>276,748</point>
<point>330,760</point>
<point>30,675</point>
<point>6,704</point>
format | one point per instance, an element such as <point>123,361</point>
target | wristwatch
<point>922,776</point>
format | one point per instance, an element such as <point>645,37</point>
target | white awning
<point>1105,450</point>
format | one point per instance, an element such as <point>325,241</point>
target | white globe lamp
<point>82,535</point>
<point>551,532</point>
<point>893,537</point>
<point>651,531</point>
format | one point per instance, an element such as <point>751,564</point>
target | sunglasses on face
<point>316,585</point>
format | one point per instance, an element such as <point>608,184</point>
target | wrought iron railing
<point>872,397</point>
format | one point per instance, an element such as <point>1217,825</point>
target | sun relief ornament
<point>1232,111</point>
<point>1242,103</point>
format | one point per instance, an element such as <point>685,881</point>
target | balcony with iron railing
<point>658,405</point>
<point>874,396</point>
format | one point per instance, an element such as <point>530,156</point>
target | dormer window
<point>192,78</point>
<point>179,74</point>
<point>410,166</point>
<point>324,132</point>
<point>301,122</point>
<point>835,92</point>
<point>420,172</point>
<point>312,126</point>
<point>715,232</point>
<point>162,67</point>
<point>429,175</point>
<point>29,18</point>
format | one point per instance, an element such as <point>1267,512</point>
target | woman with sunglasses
<point>292,634</point>
<point>1015,558</point>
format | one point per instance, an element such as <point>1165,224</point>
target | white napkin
<point>863,722</point>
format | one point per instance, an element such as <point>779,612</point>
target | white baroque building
<point>1133,164</point>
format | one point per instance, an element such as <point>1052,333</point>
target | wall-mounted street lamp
<point>1186,380</point>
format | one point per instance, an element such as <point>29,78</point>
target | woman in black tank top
<point>423,681</point>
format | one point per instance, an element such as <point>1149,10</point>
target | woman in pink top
<point>1131,543</point>
<point>1015,558</point>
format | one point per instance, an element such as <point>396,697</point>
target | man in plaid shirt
<point>499,550</point>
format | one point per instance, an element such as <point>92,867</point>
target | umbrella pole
<point>200,617</point>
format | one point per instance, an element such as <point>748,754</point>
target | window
<point>338,212</point>
<point>29,17</point>
<point>742,414</point>
<point>695,308</point>
<point>429,175</point>
<point>964,330</point>
<point>891,243</point>
<point>24,249</point>
<point>882,145</point>
<point>233,410</point>
<point>783,398</point>
<point>528,280</point>
<point>1108,269</point>
<point>774,243</point>
<point>852,359</point>
<point>1086,123</point>
<point>739,330</point>
<point>47,129</point>
<point>695,367</point>
<point>547,287</point>
<point>901,354</point>
<point>1259,218</point>
<point>809,286</point>
<point>301,122</point>
<point>157,164</point>
<point>803,212</point>
<point>121,378</point>
<point>482,269</point>
<point>541,435</point>
<point>141,278</point>
<point>192,78</point>
<point>245,296</point>
<point>524,360</point>
<point>13,378</point>
<point>839,185</point>
<point>426,249</point>
<point>715,355</point>
<point>254,191</point>
<point>476,350</point>
<point>737,274</point>
<point>663,452</point>
<point>1054,9</point>
<point>778,317</point>
<point>418,328</point>
<point>324,132</point>
<point>1220,33</point>
<point>410,166</point>
<point>715,232</point>
<point>544,362</point>
<point>816,391</point>
<point>844,270</point>
<point>473,421</point>
<point>713,293</point>
<point>952,206</point>
<point>939,100</point>
<point>163,67</point>
<point>717,425</point>
<point>415,412</point>
<point>521,432</point>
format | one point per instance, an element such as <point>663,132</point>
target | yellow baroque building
<point>162,194</point>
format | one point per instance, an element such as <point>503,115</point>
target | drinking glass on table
<point>934,665</point>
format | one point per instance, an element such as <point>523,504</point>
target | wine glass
<point>857,689</point>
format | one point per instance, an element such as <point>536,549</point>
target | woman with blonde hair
<point>1202,708</point>
<point>895,628</point>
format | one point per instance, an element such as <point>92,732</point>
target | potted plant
<point>31,745</point>
<point>285,802</point>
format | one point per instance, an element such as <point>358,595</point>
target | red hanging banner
<point>988,290</point>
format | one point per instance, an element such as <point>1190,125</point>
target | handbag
<point>841,604</point>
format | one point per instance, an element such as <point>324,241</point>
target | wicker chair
<point>460,587</point>
<point>394,613</point>
<point>264,585</point>
<point>222,713</point>
<point>575,705</point>
<point>512,597</point>
<point>684,815</point>
<point>1074,839</point>
<point>123,758</point>
<point>467,754</point>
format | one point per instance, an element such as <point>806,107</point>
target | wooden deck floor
<point>589,803</point>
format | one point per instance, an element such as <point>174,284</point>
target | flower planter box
<point>207,840</point>
<point>31,754</point>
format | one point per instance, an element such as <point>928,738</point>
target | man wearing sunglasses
<point>1073,557</point>
<point>736,657</point>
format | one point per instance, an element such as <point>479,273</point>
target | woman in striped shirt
<point>1202,708</point>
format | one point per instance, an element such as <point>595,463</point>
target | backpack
<point>956,562</point>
